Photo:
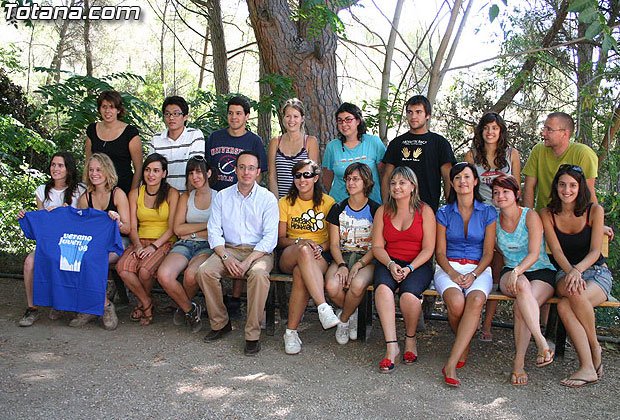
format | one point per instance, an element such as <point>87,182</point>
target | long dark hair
<point>72,178</point>
<point>583,196</point>
<point>164,187</point>
<point>480,156</point>
<point>457,169</point>
<point>317,194</point>
<point>357,113</point>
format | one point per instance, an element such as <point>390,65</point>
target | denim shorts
<point>190,248</point>
<point>597,274</point>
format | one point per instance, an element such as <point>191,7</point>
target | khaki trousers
<point>209,277</point>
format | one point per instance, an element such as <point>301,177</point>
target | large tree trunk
<point>218,43</point>
<point>286,49</point>
<point>88,53</point>
<point>585,101</point>
<point>530,62</point>
<point>385,74</point>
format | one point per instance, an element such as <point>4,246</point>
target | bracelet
<point>390,263</point>
<point>410,267</point>
<point>361,261</point>
<point>120,223</point>
<point>297,241</point>
<point>343,264</point>
<point>474,274</point>
<point>154,246</point>
<point>320,247</point>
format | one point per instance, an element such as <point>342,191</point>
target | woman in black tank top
<point>574,231</point>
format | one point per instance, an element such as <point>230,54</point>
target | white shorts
<point>443,282</point>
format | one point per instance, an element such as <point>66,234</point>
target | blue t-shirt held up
<point>457,245</point>
<point>71,258</point>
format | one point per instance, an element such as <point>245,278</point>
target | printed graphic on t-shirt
<point>72,249</point>
<point>411,154</point>
<point>310,220</point>
<point>355,230</point>
<point>226,168</point>
<point>347,161</point>
<point>487,177</point>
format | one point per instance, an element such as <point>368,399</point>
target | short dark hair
<point>583,196</point>
<point>365,174</point>
<point>114,98</point>
<point>567,121</point>
<point>176,100</point>
<point>248,152</point>
<point>241,101</point>
<point>508,182</point>
<point>420,99</point>
<point>457,169</point>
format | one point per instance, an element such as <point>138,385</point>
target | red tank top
<point>403,245</point>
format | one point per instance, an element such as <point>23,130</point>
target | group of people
<point>369,215</point>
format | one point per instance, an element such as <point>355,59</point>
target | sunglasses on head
<point>568,166</point>
<point>306,175</point>
<point>198,157</point>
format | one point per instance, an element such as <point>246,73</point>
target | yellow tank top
<point>152,223</point>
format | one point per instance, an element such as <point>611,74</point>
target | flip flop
<point>485,337</point>
<point>545,362</point>
<point>517,376</point>
<point>582,382</point>
<point>599,372</point>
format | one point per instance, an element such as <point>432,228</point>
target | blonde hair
<point>299,106</point>
<point>107,169</point>
<point>414,201</point>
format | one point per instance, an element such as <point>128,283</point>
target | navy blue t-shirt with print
<point>71,258</point>
<point>222,149</point>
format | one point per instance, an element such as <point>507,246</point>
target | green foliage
<point>281,90</point>
<point>9,58</point>
<point>16,138</point>
<point>590,13</point>
<point>321,14</point>
<point>391,108</point>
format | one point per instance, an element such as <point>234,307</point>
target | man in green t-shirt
<point>546,158</point>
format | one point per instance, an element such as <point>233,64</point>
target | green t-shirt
<point>543,166</point>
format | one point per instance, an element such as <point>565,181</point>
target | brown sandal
<point>137,313</point>
<point>147,319</point>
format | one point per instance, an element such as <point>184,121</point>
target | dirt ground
<point>52,371</point>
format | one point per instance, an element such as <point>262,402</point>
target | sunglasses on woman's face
<point>306,175</point>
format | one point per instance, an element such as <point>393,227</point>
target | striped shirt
<point>190,142</point>
<point>284,167</point>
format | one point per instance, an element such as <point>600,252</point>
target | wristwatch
<point>225,257</point>
<point>192,235</point>
<point>297,241</point>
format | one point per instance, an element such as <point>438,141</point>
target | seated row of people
<point>337,256</point>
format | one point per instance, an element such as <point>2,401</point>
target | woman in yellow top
<point>152,207</point>
<point>304,241</point>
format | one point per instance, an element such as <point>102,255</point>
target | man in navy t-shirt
<point>71,258</point>
<point>224,145</point>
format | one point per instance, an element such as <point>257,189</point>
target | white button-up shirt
<point>191,142</point>
<point>249,221</point>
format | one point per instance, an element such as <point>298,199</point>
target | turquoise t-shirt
<point>338,157</point>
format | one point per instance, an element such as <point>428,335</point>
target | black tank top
<point>111,205</point>
<point>576,246</point>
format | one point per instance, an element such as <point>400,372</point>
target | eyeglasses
<point>352,179</point>
<point>306,175</point>
<point>347,120</point>
<point>172,114</point>
<point>250,168</point>
<point>568,166</point>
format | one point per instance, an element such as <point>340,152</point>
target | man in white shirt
<point>177,142</point>
<point>243,232</point>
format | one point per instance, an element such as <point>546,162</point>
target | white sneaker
<point>353,326</point>
<point>327,316</point>
<point>342,332</point>
<point>292,343</point>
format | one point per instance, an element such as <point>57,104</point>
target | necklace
<point>148,193</point>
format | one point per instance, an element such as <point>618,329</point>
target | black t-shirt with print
<point>425,154</point>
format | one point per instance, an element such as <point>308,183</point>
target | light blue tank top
<point>514,246</point>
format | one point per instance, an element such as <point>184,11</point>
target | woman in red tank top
<point>403,241</point>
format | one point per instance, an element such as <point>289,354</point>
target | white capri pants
<point>443,282</point>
